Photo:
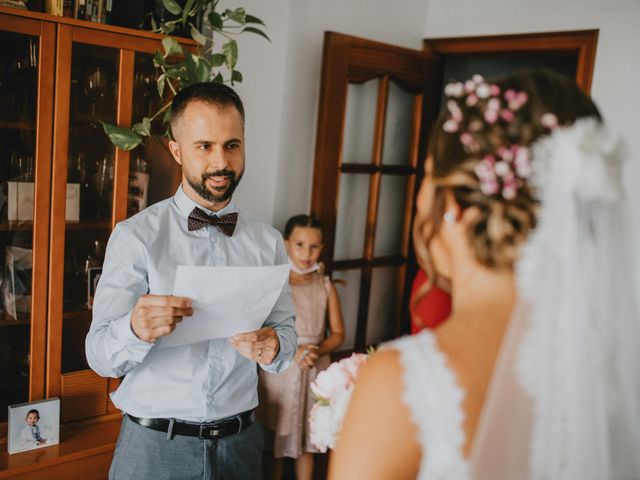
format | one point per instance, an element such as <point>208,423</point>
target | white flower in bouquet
<point>332,390</point>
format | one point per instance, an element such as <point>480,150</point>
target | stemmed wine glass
<point>95,84</point>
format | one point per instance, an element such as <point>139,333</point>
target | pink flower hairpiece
<point>497,107</point>
<point>504,172</point>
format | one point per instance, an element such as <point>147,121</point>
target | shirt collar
<point>186,205</point>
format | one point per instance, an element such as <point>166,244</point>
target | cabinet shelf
<point>17,125</point>
<point>7,321</point>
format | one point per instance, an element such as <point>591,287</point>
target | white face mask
<point>300,271</point>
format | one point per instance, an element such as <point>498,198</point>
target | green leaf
<point>218,59</point>
<point>252,19</point>
<point>215,20</point>
<point>204,72</point>
<point>187,9</point>
<point>197,36</point>
<point>160,83</point>
<point>172,6</point>
<point>230,50</point>
<point>238,15</point>
<point>143,128</point>
<point>167,115</point>
<point>236,76</point>
<point>158,59</point>
<point>123,138</point>
<point>171,47</point>
<point>191,68</point>
<point>218,78</point>
<point>256,31</point>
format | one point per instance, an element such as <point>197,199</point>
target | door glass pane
<point>351,222</point>
<point>153,173</point>
<point>94,79</point>
<point>348,287</point>
<point>398,127</point>
<point>391,215</point>
<point>18,97</point>
<point>360,119</point>
<point>383,304</point>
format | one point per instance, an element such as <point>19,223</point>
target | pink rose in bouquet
<point>332,390</point>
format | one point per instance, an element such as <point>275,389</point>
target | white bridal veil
<point>564,402</point>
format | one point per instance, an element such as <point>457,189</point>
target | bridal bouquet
<point>332,390</point>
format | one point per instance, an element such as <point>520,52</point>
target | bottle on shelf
<point>93,269</point>
<point>138,184</point>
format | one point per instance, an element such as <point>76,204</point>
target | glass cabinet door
<point>24,173</point>
<point>89,193</point>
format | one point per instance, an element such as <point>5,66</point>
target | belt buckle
<point>207,432</point>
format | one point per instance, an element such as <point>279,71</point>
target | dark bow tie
<point>226,223</point>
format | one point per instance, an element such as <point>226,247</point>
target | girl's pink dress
<point>285,399</point>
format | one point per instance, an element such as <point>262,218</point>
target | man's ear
<point>174,148</point>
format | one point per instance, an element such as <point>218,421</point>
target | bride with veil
<point>536,374</point>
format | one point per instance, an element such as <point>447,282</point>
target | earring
<point>449,217</point>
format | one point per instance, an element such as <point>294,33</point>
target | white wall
<point>262,64</point>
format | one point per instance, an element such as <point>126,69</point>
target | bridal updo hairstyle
<point>480,147</point>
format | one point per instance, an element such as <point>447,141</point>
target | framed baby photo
<point>33,425</point>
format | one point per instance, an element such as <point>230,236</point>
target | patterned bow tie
<point>198,219</point>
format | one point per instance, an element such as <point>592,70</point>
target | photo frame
<point>33,425</point>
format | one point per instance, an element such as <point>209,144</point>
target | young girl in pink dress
<point>285,399</point>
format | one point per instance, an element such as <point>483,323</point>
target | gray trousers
<point>145,454</point>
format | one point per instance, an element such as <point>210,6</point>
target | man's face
<point>209,145</point>
<point>32,419</point>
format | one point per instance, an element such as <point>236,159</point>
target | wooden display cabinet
<point>63,188</point>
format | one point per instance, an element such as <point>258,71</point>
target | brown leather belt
<point>218,429</point>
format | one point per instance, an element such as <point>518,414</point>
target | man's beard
<point>221,194</point>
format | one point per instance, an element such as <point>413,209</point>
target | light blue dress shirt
<point>199,382</point>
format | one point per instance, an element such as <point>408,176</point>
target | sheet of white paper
<point>225,300</point>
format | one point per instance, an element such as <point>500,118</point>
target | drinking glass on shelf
<point>95,84</point>
<point>102,180</point>
<point>21,166</point>
<point>144,85</point>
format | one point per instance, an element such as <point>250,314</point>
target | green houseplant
<point>215,58</point>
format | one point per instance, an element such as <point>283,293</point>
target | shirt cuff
<point>282,360</point>
<point>122,330</point>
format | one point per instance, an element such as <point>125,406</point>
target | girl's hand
<point>306,356</point>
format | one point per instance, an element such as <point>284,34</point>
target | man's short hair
<point>215,93</point>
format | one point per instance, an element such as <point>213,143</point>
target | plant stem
<point>160,111</point>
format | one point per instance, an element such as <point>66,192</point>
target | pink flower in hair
<point>450,126</point>
<point>491,116</point>
<point>494,90</point>
<point>549,120</point>
<point>522,162</point>
<point>454,89</point>
<point>483,91</point>
<point>472,99</point>
<point>477,78</point>
<point>456,113</point>
<point>469,86</point>
<point>509,191</point>
<point>506,115</point>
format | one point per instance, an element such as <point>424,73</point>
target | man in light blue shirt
<point>189,409</point>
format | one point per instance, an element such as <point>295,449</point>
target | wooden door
<point>368,152</point>
<point>100,76</point>
<point>26,96</point>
